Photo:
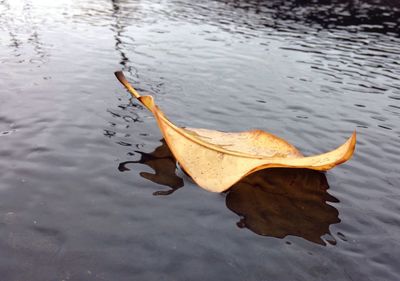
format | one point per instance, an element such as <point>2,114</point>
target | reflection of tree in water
<point>119,28</point>
<point>18,31</point>
<point>379,16</point>
<point>272,202</point>
<point>121,15</point>
<point>375,15</point>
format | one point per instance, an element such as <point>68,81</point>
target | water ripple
<point>80,160</point>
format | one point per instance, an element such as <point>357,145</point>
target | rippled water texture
<point>89,191</point>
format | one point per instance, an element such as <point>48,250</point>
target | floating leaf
<point>272,202</point>
<point>217,160</point>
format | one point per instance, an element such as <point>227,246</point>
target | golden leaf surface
<point>217,160</point>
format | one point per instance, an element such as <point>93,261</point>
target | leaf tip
<point>121,78</point>
<point>351,146</point>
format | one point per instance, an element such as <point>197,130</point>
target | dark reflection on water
<point>119,27</point>
<point>366,15</point>
<point>281,202</point>
<point>163,163</point>
<point>272,202</point>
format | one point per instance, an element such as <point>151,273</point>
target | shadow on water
<point>272,202</point>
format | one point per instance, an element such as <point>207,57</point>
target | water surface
<point>85,175</point>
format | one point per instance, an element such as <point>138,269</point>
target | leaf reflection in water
<point>163,163</point>
<point>274,202</point>
<point>281,202</point>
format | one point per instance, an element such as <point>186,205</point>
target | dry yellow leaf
<point>217,160</point>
